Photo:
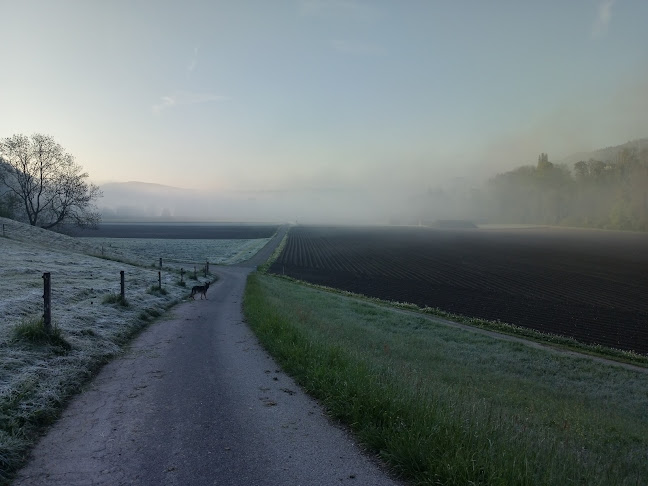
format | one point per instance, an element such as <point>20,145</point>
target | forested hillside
<point>610,193</point>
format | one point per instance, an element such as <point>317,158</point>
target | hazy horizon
<point>321,109</point>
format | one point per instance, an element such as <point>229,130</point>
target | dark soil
<point>178,231</point>
<point>590,285</point>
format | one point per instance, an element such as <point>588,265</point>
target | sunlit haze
<point>291,110</point>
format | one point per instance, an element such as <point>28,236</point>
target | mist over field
<point>605,188</point>
<point>338,111</point>
<point>142,201</point>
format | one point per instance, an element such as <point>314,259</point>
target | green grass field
<point>442,405</point>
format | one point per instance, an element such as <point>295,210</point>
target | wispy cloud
<point>193,62</point>
<point>356,48</point>
<point>183,98</point>
<point>603,16</point>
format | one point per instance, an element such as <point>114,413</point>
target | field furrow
<point>585,284</point>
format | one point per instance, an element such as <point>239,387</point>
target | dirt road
<point>197,401</point>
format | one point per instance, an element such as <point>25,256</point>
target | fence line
<point>47,290</point>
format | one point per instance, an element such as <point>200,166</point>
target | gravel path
<point>197,401</point>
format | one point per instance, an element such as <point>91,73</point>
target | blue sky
<point>276,95</point>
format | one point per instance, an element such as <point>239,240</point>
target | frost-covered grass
<point>179,253</point>
<point>38,375</point>
<point>79,283</point>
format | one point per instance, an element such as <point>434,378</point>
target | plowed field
<point>587,284</point>
<point>190,231</point>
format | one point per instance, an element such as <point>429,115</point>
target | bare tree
<point>49,186</point>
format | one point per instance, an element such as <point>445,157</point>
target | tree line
<point>610,195</point>
<point>41,184</point>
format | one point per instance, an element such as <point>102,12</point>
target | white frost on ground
<point>178,253</point>
<point>35,379</point>
<point>80,280</point>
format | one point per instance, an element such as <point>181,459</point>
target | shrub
<point>115,299</point>
<point>148,314</point>
<point>32,331</point>
<point>157,290</point>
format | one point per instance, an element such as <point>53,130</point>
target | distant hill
<point>607,154</point>
<point>137,187</point>
<point>144,200</point>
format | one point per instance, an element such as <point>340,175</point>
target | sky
<point>322,96</point>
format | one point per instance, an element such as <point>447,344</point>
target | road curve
<point>197,401</point>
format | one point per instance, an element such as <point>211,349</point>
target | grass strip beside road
<point>563,343</point>
<point>449,406</point>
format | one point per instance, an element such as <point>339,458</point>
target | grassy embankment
<point>40,371</point>
<point>443,405</point>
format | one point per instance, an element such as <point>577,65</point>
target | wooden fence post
<point>121,278</point>
<point>47,302</point>
<point>160,280</point>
